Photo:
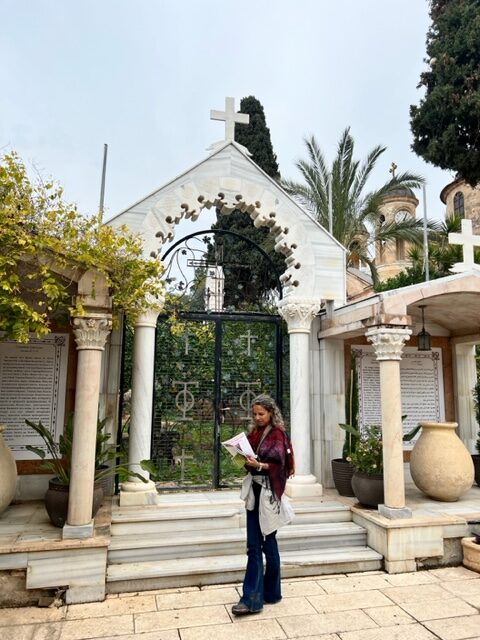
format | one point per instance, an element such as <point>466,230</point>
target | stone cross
<point>468,242</point>
<point>393,168</point>
<point>230,117</point>
<point>250,338</point>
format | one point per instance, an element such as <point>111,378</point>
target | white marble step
<point>134,520</point>
<point>195,515</point>
<point>145,547</point>
<point>230,568</point>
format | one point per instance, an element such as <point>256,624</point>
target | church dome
<point>402,192</point>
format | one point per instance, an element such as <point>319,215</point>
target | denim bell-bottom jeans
<point>257,586</point>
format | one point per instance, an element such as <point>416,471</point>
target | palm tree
<point>357,220</point>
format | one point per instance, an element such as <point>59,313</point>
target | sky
<point>143,75</point>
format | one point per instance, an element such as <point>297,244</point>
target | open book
<point>239,448</point>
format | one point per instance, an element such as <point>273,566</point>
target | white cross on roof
<point>230,117</point>
<point>468,242</point>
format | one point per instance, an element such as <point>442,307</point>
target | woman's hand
<point>252,462</point>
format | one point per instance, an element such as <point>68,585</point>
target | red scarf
<point>273,451</point>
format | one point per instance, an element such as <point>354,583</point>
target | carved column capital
<point>388,342</point>
<point>298,314</point>
<point>146,318</point>
<point>91,331</point>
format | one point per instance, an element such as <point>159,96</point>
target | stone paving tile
<point>30,615</point>
<point>49,631</point>
<point>156,592</point>
<point>328,636</point>
<point>22,632</point>
<point>82,629</point>
<point>181,618</point>
<point>133,604</point>
<point>389,616</point>
<point>167,634</point>
<point>286,607</point>
<point>400,632</point>
<point>413,594</point>
<point>207,587</point>
<point>436,609</point>
<point>362,583</point>
<point>410,579</point>
<point>324,623</point>
<point>196,599</point>
<point>306,588</point>
<point>346,601</point>
<point>463,588</point>
<point>253,629</point>
<point>453,573</point>
<point>455,628</point>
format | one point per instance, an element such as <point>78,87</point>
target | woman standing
<point>267,508</point>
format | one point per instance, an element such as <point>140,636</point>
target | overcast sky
<point>142,76</point>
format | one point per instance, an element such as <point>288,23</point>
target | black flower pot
<point>368,489</point>
<point>56,501</point>
<point>342,472</point>
<point>476,464</point>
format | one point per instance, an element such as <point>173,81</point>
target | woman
<point>262,491</point>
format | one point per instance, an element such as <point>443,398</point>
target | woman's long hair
<point>268,403</point>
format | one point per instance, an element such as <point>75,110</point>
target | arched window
<point>400,249</point>
<point>459,204</point>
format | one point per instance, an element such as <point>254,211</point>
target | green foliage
<point>446,122</point>
<point>108,459</point>
<point>356,214</point>
<point>368,455</point>
<point>253,272</point>
<point>46,243</point>
<point>351,412</point>
<point>256,136</point>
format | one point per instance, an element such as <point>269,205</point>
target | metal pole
<point>330,204</point>
<point>425,236</point>
<point>102,188</point>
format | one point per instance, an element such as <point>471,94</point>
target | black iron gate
<point>208,368</point>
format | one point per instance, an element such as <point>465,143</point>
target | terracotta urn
<point>471,554</point>
<point>440,464</point>
<point>8,473</point>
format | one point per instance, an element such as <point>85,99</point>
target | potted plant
<point>342,469</point>
<point>367,461</point>
<point>59,463</point>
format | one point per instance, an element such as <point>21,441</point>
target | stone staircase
<point>197,539</point>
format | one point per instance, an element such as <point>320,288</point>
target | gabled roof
<point>315,260</point>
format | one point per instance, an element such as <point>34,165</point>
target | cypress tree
<point>248,275</point>
<point>446,123</point>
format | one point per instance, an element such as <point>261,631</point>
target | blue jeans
<point>257,587</point>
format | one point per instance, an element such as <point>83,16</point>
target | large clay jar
<point>8,473</point>
<point>440,464</point>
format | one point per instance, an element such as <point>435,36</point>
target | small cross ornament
<point>230,117</point>
<point>468,242</point>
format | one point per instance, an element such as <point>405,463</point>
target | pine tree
<point>446,123</point>
<point>250,277</point>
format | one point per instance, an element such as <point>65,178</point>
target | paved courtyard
<point>440,603</point>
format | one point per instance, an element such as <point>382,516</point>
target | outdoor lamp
<point>424,339</point>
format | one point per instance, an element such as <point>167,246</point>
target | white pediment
<point>315,260</point>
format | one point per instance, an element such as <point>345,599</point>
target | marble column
<point>465,380</point>
<point>388,344</point>
<point>134,491</point>
<point>91,332</point>
<point>298,315</point>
